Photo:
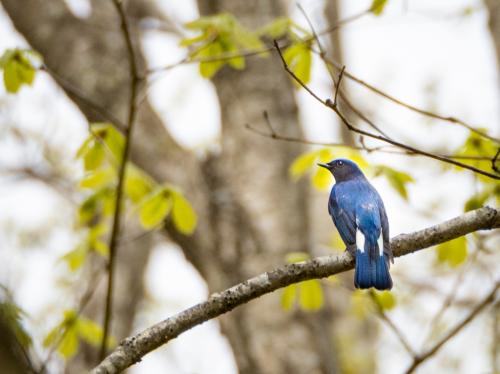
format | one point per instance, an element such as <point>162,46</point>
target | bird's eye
<point>340,163</point>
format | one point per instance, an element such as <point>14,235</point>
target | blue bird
<point>359,215</point>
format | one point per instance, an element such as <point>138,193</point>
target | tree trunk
<point>494,24</point>
<point>250,213</point>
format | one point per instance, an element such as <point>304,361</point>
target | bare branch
<point>418,360</point>
<point>392,326</point>
<point>132,349</point>
<point>413,108</point>
<point>329,104</point>
<point>115,232</point>
<point>363,147</point>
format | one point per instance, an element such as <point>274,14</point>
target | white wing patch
<point>380,242</point>
<point>360,240</point>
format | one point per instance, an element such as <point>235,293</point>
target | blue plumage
<point>359,215</point>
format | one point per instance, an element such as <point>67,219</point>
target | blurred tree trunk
<point>261,215</point>
<point>250,213</point>
<point>494,24</point>
<point>333,16</point>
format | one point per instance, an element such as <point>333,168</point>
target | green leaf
<point>477,145</point>
<point>76,257</point>
<point>69,342</point>
<point>17,69</point>
<point>453,252</point>
<point>89,331</point>
<point>190,41</point>
<point>302,164</point>
<point>397,179</point>
<point>11,78</point>
<point>183,215</point>
<point>98,179</point>
<point>478,201</point>
<point>288,296</point>
<point>137,184</point>
<point>278,28</point>
<point>101,248</point>
<point>299,58</point>
<point>155,208</point>
<point>65,335</point>
<point>322,179</point>
<point>94,157</point>
<point>310,295</point>
<point>378,6</point>
<point>209,68</point>
<point>11,314</point>
<point>385,299</point>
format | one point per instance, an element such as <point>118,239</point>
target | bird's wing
<point>385,230</point>
<point>343,220</point>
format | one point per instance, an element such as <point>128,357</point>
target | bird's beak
<point>326,166</point>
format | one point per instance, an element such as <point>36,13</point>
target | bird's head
<point>343,169</point>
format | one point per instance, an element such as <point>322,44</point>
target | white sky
<point>404,52</point>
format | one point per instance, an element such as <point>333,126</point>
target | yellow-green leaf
<point>209,68</point>
<point>288,296</point>
<point>310,295</point>
<point>299,58</point>
<point>17,69</point>
<point>112,138</point>
<point>183,215</point>
<point>69,342</point>
<point>101,247</point>
<point>277,28</point>
<point>302,164</point>
<point>89,331</point>
<point>76,257</point>
<point>94,157</point>
<point>137,184</point>
<point>98,178</point>
<point>453,252</point>
<point>11,314</point>
<point>397,179</point>
<point>322,179</point>
<point>155,208</point>
<point>385,299</point>
<point>378,6</point>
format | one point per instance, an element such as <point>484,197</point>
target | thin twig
<point>269,125</point>
<point>399,334</point>
<point>418,360</point>
<point>411,107</point>
<point>329,104</point>
<point>450,297</point>
<point>230,55</point>
<point>115,232</point>
<point>389,149</point>
<point>338,85</point>
<point>494,161</point>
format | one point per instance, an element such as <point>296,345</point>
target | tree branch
<point>329,104</point>
<point>419,359</point>
<point>115,232</point>
<point>132,349</point>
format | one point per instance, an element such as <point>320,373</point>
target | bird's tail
<point>372,269</point>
